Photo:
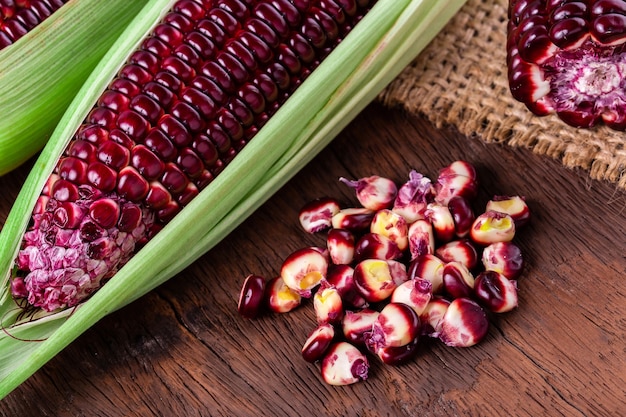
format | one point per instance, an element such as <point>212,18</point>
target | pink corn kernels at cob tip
<point>198,88</point>
<point>568,58</point>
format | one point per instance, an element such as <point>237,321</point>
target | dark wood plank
<point>183,349</point>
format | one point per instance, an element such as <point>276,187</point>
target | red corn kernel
<point>373,280</point>
<point>327,304</point>
<point>353,219</point>
<point>374,193</point>
<point>341,246</point>
<point>303,270</point>
<point>342,278</point>
<point>505,258</point>
<point>415,293</point>
<point>514,206</point>
<point>432,316</point>
<point>105,212</point>
<point>63,190</point>
<point>344,364</point>
<point>317,215</point>
<point>464,324</point>
<point>355,324</point>
<point>462,214</point>
<point>396,325</point>
<point>495,291</point>
<point>441,218</point>
<point>131,185</point>
<point>491,227</point>
<point>458,178</point>
<point>391,225</point>
<point>375,246</point>
<point>458,281</point>
<point>462,251</point>
<point>318,342</point>
<point>413,197</point>
<point>421,238</point>
<point>251,297</point>
<point>398,355</point>
<point>280,298</point>
<point>430,268</point>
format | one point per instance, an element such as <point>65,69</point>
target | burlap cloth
<point>460,80</point>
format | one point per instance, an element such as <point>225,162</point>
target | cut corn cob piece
<point>17,19</point>
<point>44,69</point>
<point>376,50</point>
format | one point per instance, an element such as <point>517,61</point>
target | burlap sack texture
<point>460,79</point>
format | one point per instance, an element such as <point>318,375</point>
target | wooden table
<point>183,350</point>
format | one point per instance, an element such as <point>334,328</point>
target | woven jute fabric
<point>460,80</point>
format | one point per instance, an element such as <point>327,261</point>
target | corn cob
<point>187,101</point>
<point>124,131</point>
<point>57,55</point>
<point>17,18</point>
<point>567,58</point>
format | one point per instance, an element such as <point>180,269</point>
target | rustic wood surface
<point>183,350</point>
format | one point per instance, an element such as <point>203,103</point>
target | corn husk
<point>42,72</point>
<point>377,49</point>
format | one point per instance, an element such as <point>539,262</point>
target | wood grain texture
<point>182,350</point>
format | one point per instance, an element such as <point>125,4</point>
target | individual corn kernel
<point>342,278</point>
<point>442,221</point>
<point>317,215</point>
<point>354,219</point>
<point>373,280</point>
<point>421,238</point>
<point>432,315</point>
<point>341,246</point>
<point>280,298</point>
<point>318,342</point>
<point>375,246</point>
<point>415,293</point>
<point>462,251</point>
<point>303,270</point>
<point>344,364</point>
<point>413,197</point>
<point>458,281</point>
<point>462,214</point>
<point>505,258</point>
<point>396,325</point>
<point>464,324</point>
<point>251,297</point>
<point>327,304</point>
<point>496,292</point>
<point>514,206</point>
<point>374,192</point>
<point>457,179</point>
<point>491,227</point>
<point>430,268</point>
<point>356,323</point>
<point>391,225</point>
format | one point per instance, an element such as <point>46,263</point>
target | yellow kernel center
<point>310,280</point>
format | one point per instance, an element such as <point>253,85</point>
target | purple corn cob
<point>203,82</point>
<point>18,17</point>
<point>568,57</point>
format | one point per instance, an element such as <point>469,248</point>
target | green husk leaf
<point>41,73</point>
<point>377,49</point>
